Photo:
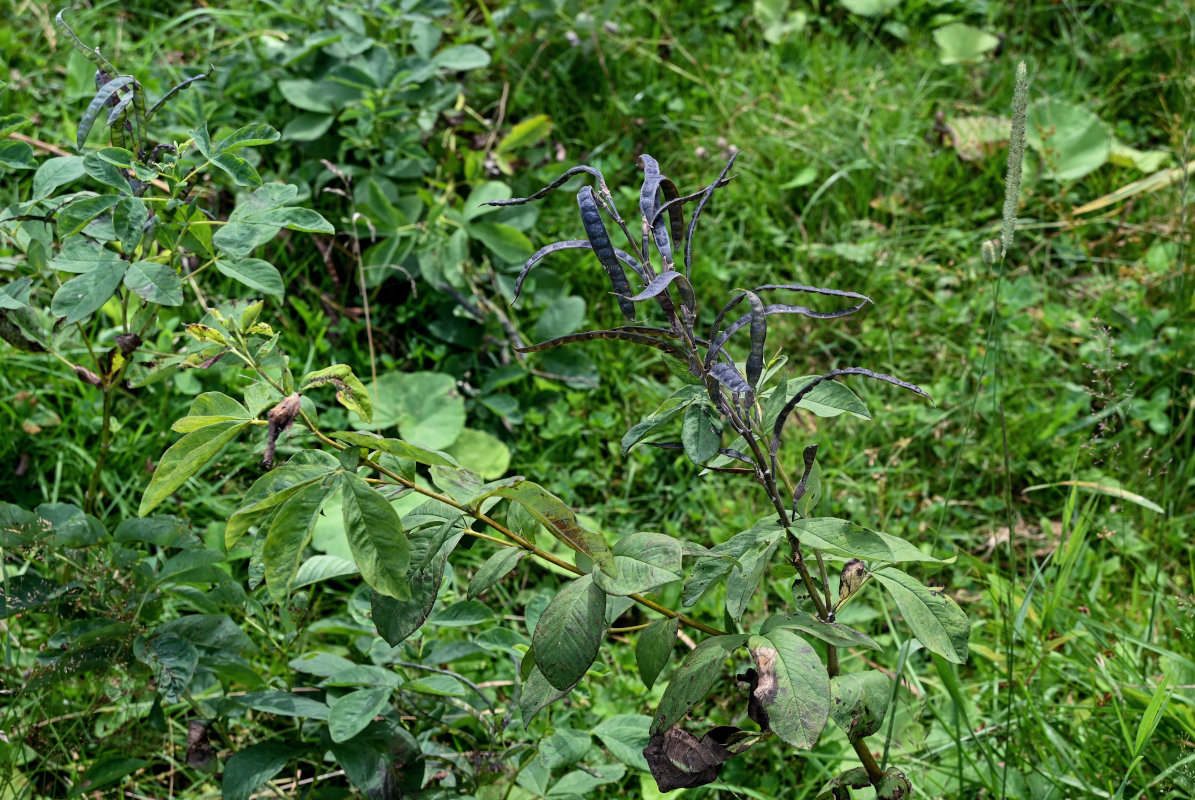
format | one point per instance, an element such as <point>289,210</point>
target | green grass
<point>1068,363</point>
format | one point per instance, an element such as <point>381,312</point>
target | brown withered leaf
<point>281,417</point>
<point>755,709</point>
<point>853,573</point>
<point>679,760</point>
<point>200,752</point>
<point>87,376</point>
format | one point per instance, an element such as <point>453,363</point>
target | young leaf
<point>290,532</point>
<point>701,433</point>
<point>643,561</point>
<point>693,679</point>
<point>494,569</point>
<point>793,688</point>
<point>859,701</point>
<point>185,458</point>
<point>654,647</point>
<point>352,713</point>
<point>569,632</point>
<point>935,619</point>
<point>376,538</point>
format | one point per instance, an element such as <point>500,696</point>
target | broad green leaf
<point>15,295</point>
<point>289,534</point>
<point>103,771</point>
<point>843,538</point>
<point>653,649</point>
<point>935,619</point>
<point>323,568</point>
<point>693,679</point>
<point>743,580</point>
<point>376,538</point>
<point>350,392</point>
<point>701,433</point>
<point>426,407</point>
<point>1070,140</point>
<point>55,172</point>
<point>625,736</point>
<point>16,155</point>
<point>74,216</point>
<point>834,633</point>
<point>285,704</point>
<point>538,694</point>
<point>565,747</point>
<point>528,132</point>
<point>870,8</point>
<point>561,522</point>
<point>562,316</point>
<point>507,243</point>
<point>82,255</point>
<point>250,767</point>
<point>793,687</point>
<point>172,661</point>
<point>307,127</point>
<point>494,569</point>
<point>584,782</point>
<point>724,557</point>
<point>669,410</point>
<point>959,43</point>
<point>483,193</point>
<point>129,220</point>
<point>268,492</point>
<point>396,447</point>
<point>642,561</point>
<point>102,170</point>
<point>398,619</point>
<point>254,273</point>
<point>827,399</point>
<point>253,135</point>
<point>350,714</point>
<point>292,217</point>
<point>241,171</point>
<point>481,452</point>
<point>157,283</point>
<point>185,458</point>
<point>208,409</point>
<point>305,94</point>
<point>80,297</point>
<point>859,701</point>
<point>569,632</point>
<point>461,57</point>
<point>463,614</point>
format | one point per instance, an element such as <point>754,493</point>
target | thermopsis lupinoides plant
<point>794,688</point>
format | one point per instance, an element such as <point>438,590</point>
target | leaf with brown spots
<point>793,687</point>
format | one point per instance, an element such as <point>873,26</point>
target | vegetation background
<point>1055,462</point>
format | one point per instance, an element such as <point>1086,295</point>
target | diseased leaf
<point>693,679</point>
<point>935,619</point>
<point>569,632</point>
<point>185,458</point>
<point>560,521</point>
<point>654,647</point>
<point>376,538</point>
<point>494,569</point>
<point>350,392</point>
<point>793,688</point>
<point>157,283</point>
<point>396,447</point>
<point>834,633</point>
<point>642,562</point>
<point>859,701</point>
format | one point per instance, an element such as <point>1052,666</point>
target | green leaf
<point>285,704</point>
<point>323,568</point>
<point>569,632</point>
<point>307,127</point>
<point>55,172</point>
<point>81,297</point>
<point>185,458</point>
<point>538,694</point>
<point>693,679</point>
<point>859,701</point>
<point>507,243</point>
<point>398,619</point>
<point>562,316</point>
<point>81,255</point>
<point>724,557</point>
<point>241,171</point>
<point>669,410</point>
<point>396,447</point>
<point>793,687</point>
<point>268,492</point>
<point>625,736</point>
<point>252,766</point>
<point>484,193</point>
<point>208,409</point>
<point>376,538</point>
<point>584,782</point>
<point>870,8</point>
<point>561,522</point>
<point>16,155</point>
<point>843,538</point>
<point>350,714</point>
<point>289,534</point>
<point>494,569</point>
<point>350,392</point>
<point>654,648</point>
<point>935,619</point>
<point>463,614</point>
<point>172,661</point>
<point>253,135</point>
<point>157,283</point>
<point>1070,140</point>
<point>834,633</point>
<point>959,43</point>
<point>426,407</point>
<point>15,295</point>
<point>462,57</point>
<point>129,220</point>
<point>827,399</point>
<point>742,581</point>
<point>102,170</point>
<point>642,561</point>
<point>701,433</point>
<point>528,132</point>
<point>305,94</point>
<point>481,452</point>
<point>292,217</point>
<point>254,273</point>
<point>75,216</point>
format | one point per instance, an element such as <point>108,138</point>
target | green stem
<point>874,774</point>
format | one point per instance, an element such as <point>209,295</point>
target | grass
<point>1069,363</point>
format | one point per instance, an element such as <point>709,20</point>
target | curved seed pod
<point>120,111</point>
<point>657,332</point>
<point>543,252</point>
<point>139,117</point>
<point>656,288</point>
<point>705,196</point>
<point>554,185</point>
<point>810,456</point>
<point>759,334</point>
<point>738,455</point>
<point>93,55</point>
<point>676,214</point>
<point>671,203</point>
<point>797,287</point>
<point>595,229</point>
<point>648,202</point>
<point>104,94</point>
<point>729,377</point>
<point>587,336</point>
<point>782,417</point>
<point>176,89</point>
